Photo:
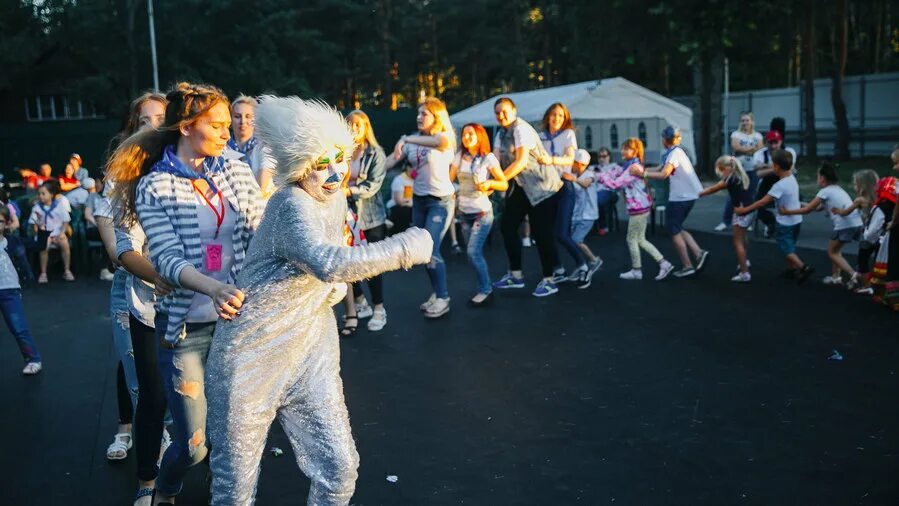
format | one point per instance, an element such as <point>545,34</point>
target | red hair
<point>635,144</point>
<point>483,140</point>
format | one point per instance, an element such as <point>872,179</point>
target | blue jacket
<point>15,248</point>
<point>366,195</point>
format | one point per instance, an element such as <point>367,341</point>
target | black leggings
<point>124,397</point>
<point>375,284</point>
<point>151,404</point>
<point>542,218</point>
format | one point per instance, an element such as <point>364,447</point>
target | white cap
<point>582,156</point>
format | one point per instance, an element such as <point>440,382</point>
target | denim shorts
<point>786,236</point>
<point>744,221</point>
<point>676,213</point>
<point>580,229</point>
<point>846,235</point>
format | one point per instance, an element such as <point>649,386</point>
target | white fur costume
<point>280,357</point>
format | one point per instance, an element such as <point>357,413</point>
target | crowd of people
<point>248,220</point>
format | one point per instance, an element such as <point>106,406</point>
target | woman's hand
<point>228,300</point>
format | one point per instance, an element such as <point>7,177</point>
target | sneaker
<point>742,277</point>
<point>363,309</point>
<point>456,250</point>
<point>378,320</point>
<point>594,266</point>
<point>575,275</point>
<point>853,282</point>
<point>68,276</point>
<point>720,227</point>
<point>32,368</point>
<point>507,281</point>
<point>665,269</point>
<point>545,288</point>
<point>527,242</point>
<point>685,272</point>
<point>700,262</point>
<point>42,279</point>
<point>584,279</point>
<point>864,290</point>
<point>803,274</point>
<point>832,280</point>
<point>439,308</point>
<point>426,304</point>
<point>105,275</point>
<point>559,276</point>
<point>633,274</point>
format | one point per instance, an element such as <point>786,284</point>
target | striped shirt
<point>166,209</point>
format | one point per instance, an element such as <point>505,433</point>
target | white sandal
<point>118,450</point>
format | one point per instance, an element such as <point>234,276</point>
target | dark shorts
<point>786,236</point>
<point>846,235</point>
<point>676,213</point>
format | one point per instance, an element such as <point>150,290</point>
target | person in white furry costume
<point>280,357</point>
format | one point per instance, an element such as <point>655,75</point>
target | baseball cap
<point>670,132</point>
<point>773,135</point>
<point>76,156</point>
<point>582,156</point>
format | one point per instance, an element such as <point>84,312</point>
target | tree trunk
<point>840,43</point>
<point>387,86</point>
<point>808,84</point>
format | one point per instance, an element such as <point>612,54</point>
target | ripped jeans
<point>121,337</point>
<point>435,214</point>
<point>182,369</point>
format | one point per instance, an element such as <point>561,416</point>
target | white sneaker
<point>32,368</point>
<point>665,269</point>
<point>742,277</point>
<point>363,310</point>
<point>720,227</point>
<point>378,320</point>
<point>832,280</point>
<point>633,274</point>
<point>576,274</point>
<point>527,242</point>
<point>439,308</point>
<point>105,275</point>
<point>426,304</point>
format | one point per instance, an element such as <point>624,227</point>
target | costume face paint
<point>330,169</point>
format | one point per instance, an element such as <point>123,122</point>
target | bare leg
<point>835,252</point>
<point>740,247</point>
<point>794,261</point>
<point>44,256</point>
<point>587,253</point>
<point>681,247</point>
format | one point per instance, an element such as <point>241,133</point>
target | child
<point>736,181</point>
<point>586,212</point>
<point>13,264</point>
<point>845,229</point>
<point>785,193</point>
<point>639,205</point>
<point>51,217</point>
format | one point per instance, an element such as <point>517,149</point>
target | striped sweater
<point>167,211</point>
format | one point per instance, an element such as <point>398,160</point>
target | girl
<point>199,211</point>
<point>68,181</point>
<point>363,194</point>
<point>845,228</point>
<point>876,199</point>
<point>736,181</point>
<point>639,205</point>
<point>533,192</point>
<point>560,143</point>
<point>744,142</point>
<point>430,152</point>
<point>479,174</point>
<point>243,143</point>
<point>13,266</point>
<point>50,218</point>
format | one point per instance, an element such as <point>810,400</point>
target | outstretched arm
<point>811,206</point>
<point>762,202</point>
<point>856,204</point>
<point>717,187</point>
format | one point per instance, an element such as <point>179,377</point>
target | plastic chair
<point>659,202</point>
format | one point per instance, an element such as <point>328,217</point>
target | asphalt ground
<point>688,391</point>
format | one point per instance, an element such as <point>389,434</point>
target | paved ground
<point>683,392</point>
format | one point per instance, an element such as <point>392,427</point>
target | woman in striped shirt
<point>199,211</point>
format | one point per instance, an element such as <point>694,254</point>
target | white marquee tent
<point>605,113</point>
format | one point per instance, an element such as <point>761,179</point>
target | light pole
<point>153,46</point>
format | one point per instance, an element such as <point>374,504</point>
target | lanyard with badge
<point>213,257</point>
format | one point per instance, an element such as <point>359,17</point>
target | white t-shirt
<point>52,218</point>
<point>399,184</point>
<point>558,144</point>
<point>786,194</point>
<point>523,136</point>
<point>77,197</point>
<point>586,208</point>
<point>746,141</point>
<point>202,308</point>
<point>834,196</point>
<point>470,173</point>
<point>9,277</point>
<point>431,168</point>
<point>761,157</point>
<point>685,185</point>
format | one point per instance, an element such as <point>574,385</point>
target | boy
<point>12,265</point>
<point>586,212</point>
<point>785,194</point>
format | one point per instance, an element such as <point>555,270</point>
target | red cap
<point>773,135</point>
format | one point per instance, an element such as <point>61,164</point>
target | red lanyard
<point>219,218</point>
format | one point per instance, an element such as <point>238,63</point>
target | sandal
<point>144,497</point>
<point>68,276</point>
<point>42,278</point>
<point>118,450</point>
<point>349,328</point>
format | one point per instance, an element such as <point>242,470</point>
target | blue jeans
<point>434,214</point>
<point>182,369</point>
<point>476,228</point>
<point>121,330</point>
<point>14,314</point>
<point>605,199</point>
<point>728,215</point>
<point>567,198</point>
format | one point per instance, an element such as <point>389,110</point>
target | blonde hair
<point>369,132</point>
<point>866,182</point>
<point>298,132</point>
<point>442,122</point>
<point>244,99</point>
<point>736,168</point>
<point>751,120</point>
<point>135,156</point>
